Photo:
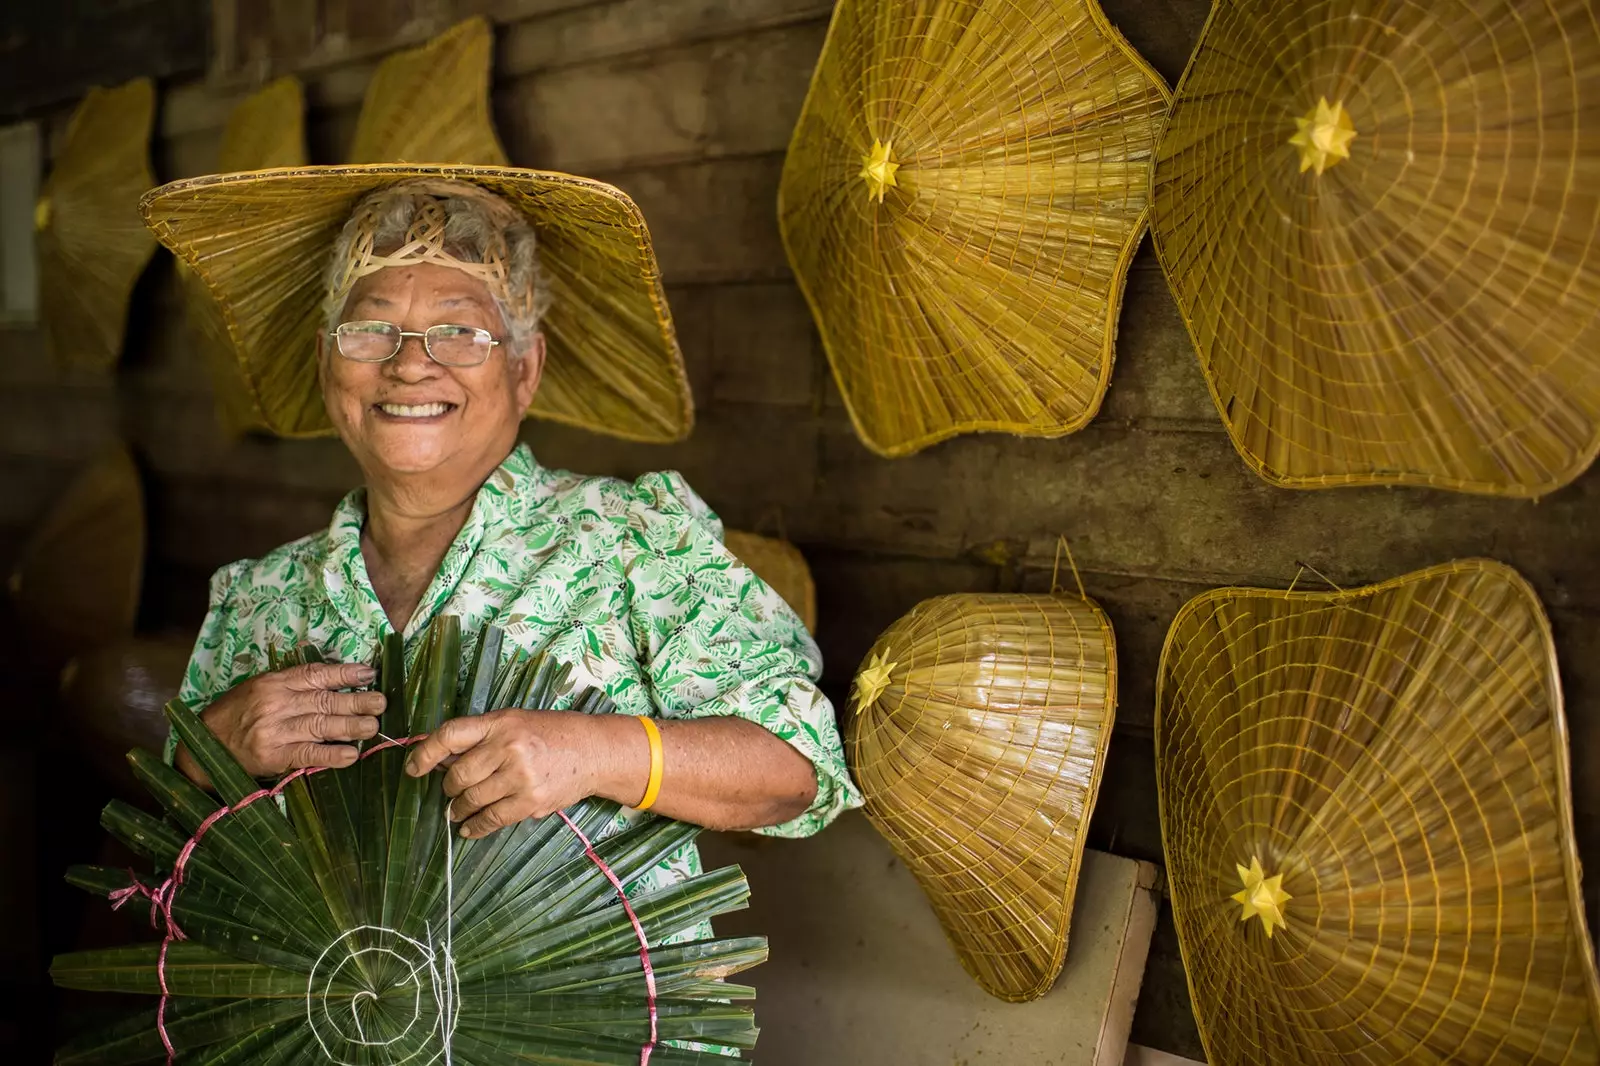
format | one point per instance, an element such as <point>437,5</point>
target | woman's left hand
<point>515,764</point>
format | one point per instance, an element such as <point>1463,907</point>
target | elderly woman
<point>430,355</point>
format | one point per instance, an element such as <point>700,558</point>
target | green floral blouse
<point>630,583</point>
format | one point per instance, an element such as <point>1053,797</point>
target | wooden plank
<point>765,347</point>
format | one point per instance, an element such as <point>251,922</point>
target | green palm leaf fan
<point>1366,811</point>
<point>963,194</point>
<point>92,244</point>
<point>265,130</point>
<point>354,927</point>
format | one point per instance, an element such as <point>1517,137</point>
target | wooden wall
<point>688,106</point>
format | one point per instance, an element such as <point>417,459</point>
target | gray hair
<point>473,227</point>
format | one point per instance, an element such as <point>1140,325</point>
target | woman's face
<point>411,415</point>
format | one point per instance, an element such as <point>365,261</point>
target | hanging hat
<point>77,583</point>
<point>261,240</point>
<point>960,202</point>
<point>91,246</point>
<point>978,738</point>
<point>431,104</point>
<point>1379,229</point>
<point>782,567</point>
<point>266,129</point>
<point>1367,817</point>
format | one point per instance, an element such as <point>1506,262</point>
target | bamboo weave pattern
<point>1415,297</point>
<point>963,193</point>
<point>978,739</point>
<point>1381,777</point>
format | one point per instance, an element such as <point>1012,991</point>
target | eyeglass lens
<point>373,342</point>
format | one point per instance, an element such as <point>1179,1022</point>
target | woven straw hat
<point>91,246</point>
<point>960,202</point>
<point>266,129</point>
<point>782,567</point>
<point>978,736</point>
<point>1378,222</point>
<point>259,241</point>
<point>77,583</point>
<point>431,104</point>
<point>1367,819</point>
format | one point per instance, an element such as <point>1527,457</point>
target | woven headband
<point>424,242</point>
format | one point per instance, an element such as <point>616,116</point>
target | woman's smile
<point>414,412</point>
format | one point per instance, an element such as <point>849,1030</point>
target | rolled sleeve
<point>717,641</point>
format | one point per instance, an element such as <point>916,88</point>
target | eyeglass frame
<point>427,346</point>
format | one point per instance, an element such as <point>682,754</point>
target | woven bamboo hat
<point>978,736</point>
<point>1378,223</point>
<point>266,129</point>
<point>1367,819</point>
<point>782,567</point>
<point>91,246</point>
<point>77,583</point>
<point>960,202</point>
<point>259,241</point>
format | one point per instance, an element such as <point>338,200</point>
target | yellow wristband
<point>658,763</point>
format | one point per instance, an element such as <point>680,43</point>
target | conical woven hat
<point>1378,224</point>
<point>91,246</point>
<point>431,104</point>
<point>77,584</point>
<point>961,199</point>
<point>1380,776</point>
<point>978,738</point>
<point>259,241</point>
<point>781,566</point>
<point>266,129</point>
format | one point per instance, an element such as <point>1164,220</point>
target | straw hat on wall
<point>962,196</point>
<point>978,737</point>
<point>1367,819</point>
<point>1379,223</point>
<point>91,247</point>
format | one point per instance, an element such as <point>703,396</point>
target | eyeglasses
<point>447,345</point>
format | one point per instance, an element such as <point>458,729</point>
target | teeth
<point>420,410</point>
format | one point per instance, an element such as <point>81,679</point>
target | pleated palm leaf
<point>962,196</point>
<point>1367,818</point>
<point>92,247</point>
<point>266,129</point>
<point>355,927</point>
<point>431,104</point>
<point>978,737</point>
<point>1376,220</point>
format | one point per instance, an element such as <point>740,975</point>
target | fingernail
<point>411,768</point>
<point>465,833</point>
<point>366,672</point>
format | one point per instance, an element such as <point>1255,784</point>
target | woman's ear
<point>529,369</point>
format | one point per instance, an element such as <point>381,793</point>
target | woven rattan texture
<point>981,292</point>
<point>1426,311</point>
<point>978,739</point>
<point>91,246</point>
<point>780,565</point>
<point>1398,755</point>
<point>613,366</point>
<point>266,129</point>
<point>76,585</point>
<point>431,104</point>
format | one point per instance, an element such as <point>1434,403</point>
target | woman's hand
<point>513,764</point>
<point>291,718</point>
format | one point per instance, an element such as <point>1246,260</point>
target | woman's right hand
<point>291,718</point>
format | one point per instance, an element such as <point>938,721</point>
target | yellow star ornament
<point>871,682</point>
<point>1323,136</point>
<point>878,168</point>
<point>1262,896</point>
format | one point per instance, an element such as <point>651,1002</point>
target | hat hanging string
<point>772,519</point>
<point>1304,566</point>
<point>1055,572</point>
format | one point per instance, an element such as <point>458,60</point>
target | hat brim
<point>260,242</point>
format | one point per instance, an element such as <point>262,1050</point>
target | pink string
<point>162,896</point>
<point>638,931</point>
